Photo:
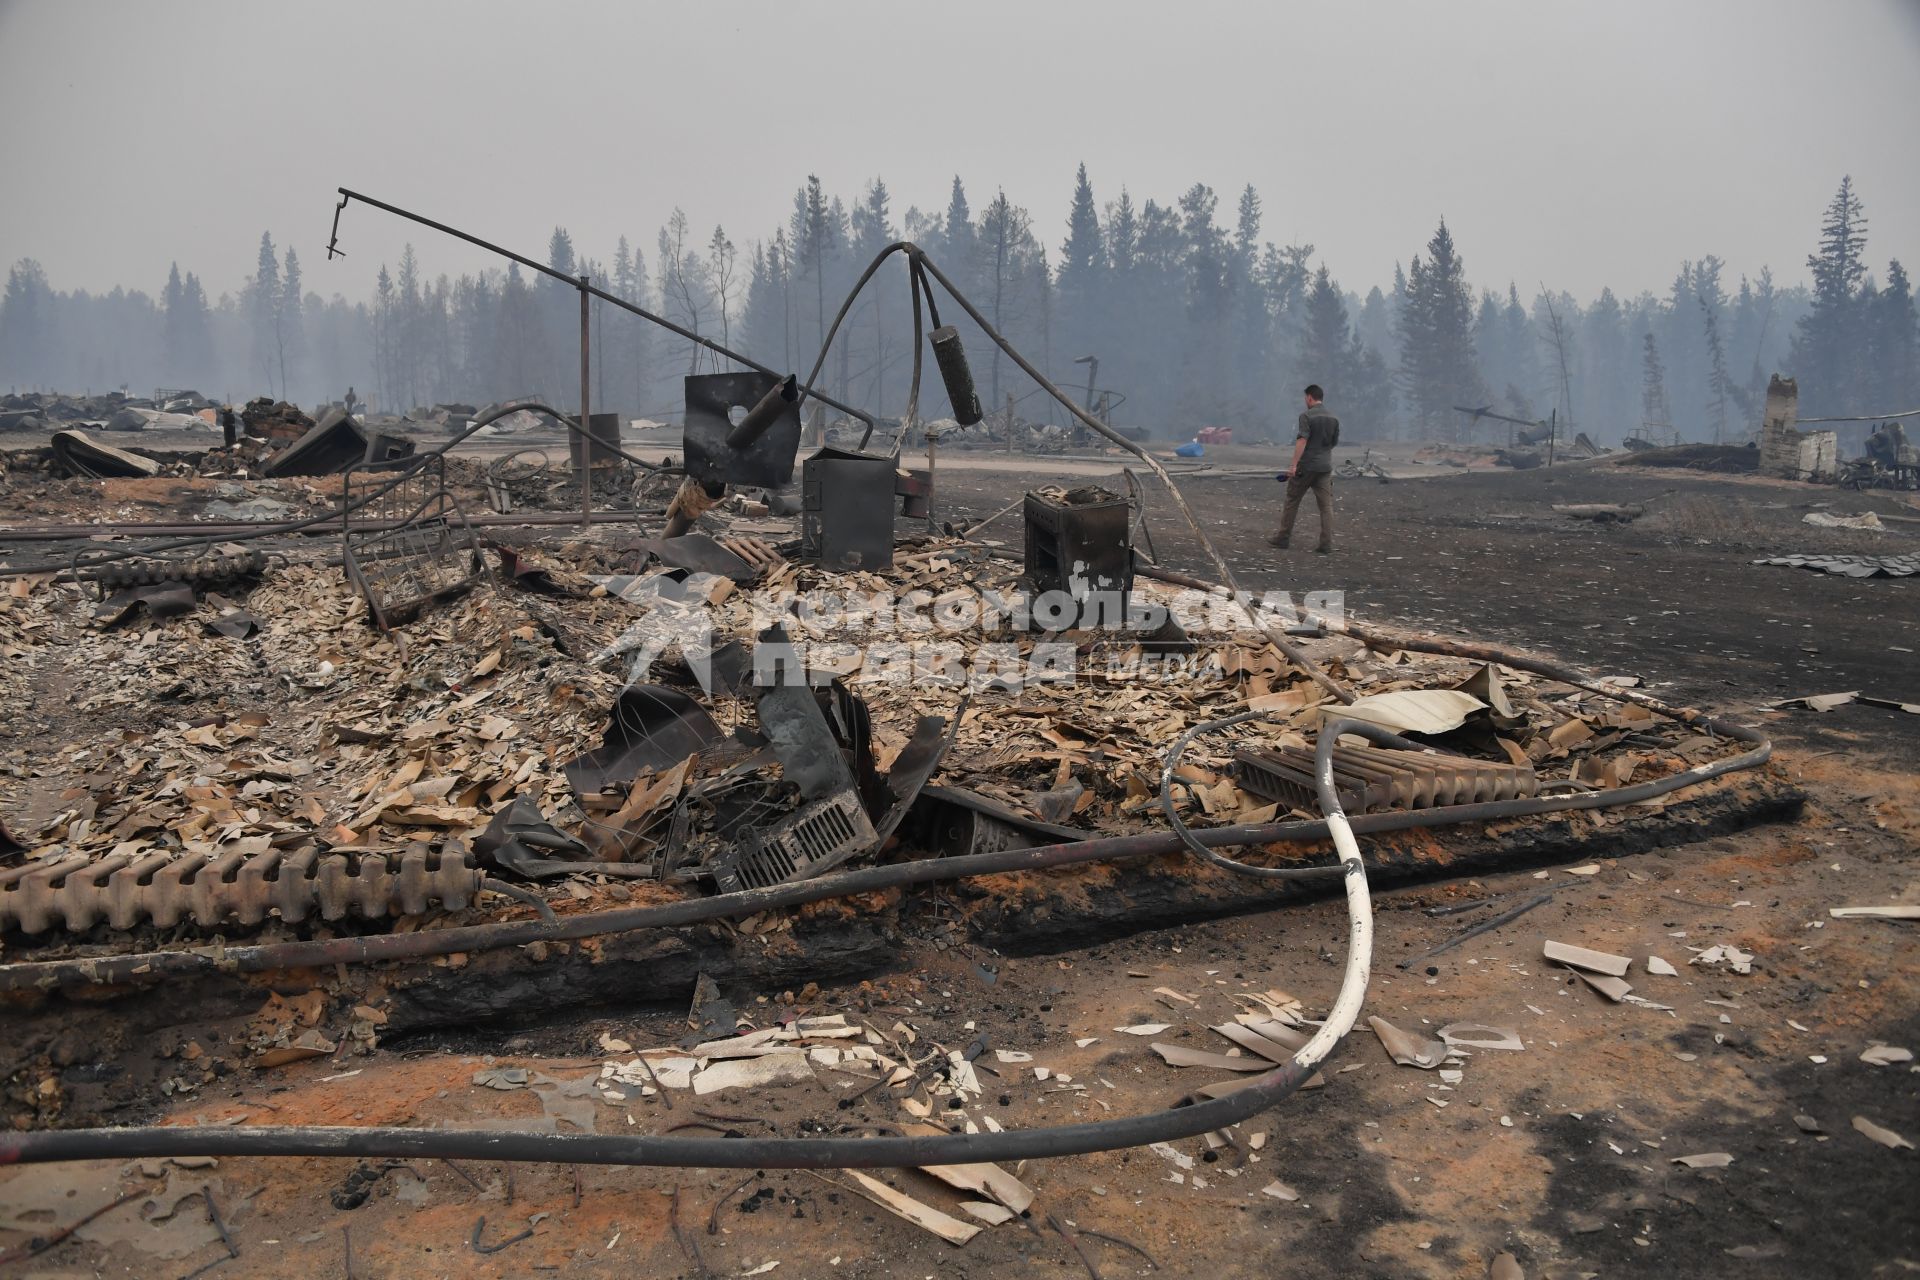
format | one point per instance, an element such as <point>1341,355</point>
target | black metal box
<point>1079,546</point>
<point>847,504</point>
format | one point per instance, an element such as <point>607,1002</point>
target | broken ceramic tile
<point>787,1067</point>
<point>1175,1055</point>
<point>1656,965</point>
<point>1408,1050</point>
<point>1591,961</point>
<point>1885,1055</point>
<point>1473,1035</point>
<point>1614,989</point>
<point>1705,1160</point>
<point>988,1212</point>
<point>1736,959</point>
<point>1884,1136</point>
<point>948,1228</point>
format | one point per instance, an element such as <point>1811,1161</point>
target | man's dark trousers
<point>1321,483</point>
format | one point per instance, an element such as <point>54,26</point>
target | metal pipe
<point>585,439</point>
<point>579,283</point>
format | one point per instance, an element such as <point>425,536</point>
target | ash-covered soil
<point>1562,1154</point>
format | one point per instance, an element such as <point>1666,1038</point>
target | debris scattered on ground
<point>1706,1160</point>
<point>1827,520</point>
<point>1895,911</point>
<point>1882,1135</point>
<point>1408,1050</point>
<point>948,1228</point>
<point>1852,566</point>
<point>1591,961</point>
<point>1733,957</point>
<point>1471,1035</point>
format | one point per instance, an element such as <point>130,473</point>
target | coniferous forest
<point>1195,317</point>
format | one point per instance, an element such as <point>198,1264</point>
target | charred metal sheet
<point>814,839</point>
<point>954,820</point>
<point>524,574</point>
<point>160,600</point>
<point>847,505</point>
<point>520,840</point>
<point>725,670</point>
<point>701,554</point>
<point>232,887</point>
<point>1852,566</point>
<point>1369,779</point>
<point>408,546</point>
<point>653,727</point>
<point>712,402</point>
<point>797,730</point>
<point>78,455</point>
<point>235,624</point>
<point>915,764</point>
<point>333,445</point>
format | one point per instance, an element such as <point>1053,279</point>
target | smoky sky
<point>1578,145</point>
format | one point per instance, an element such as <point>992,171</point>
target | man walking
<point>1312,469</point>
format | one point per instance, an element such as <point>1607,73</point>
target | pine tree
<point>293,329</point>
<point>1005,243</point>
<point>1523,368</point>
<point>814,249</point>
<point>1895,345</point>
<point>1719,388</point>
<point>1122,234</point>
<point>383,340</point>
<point>1610,378</point>
<point>873,231</point>
<point>196,333</point>
<point>26,325</point>
<point>1831,336</point>
<point>1437,362</point>
<point>1082,262</point>
<point>173,317</point>
<point>1326,338</point>
<point>263,313</point>
<point>409,345</point>
<point>959,236</point>
<point>1654,410</point>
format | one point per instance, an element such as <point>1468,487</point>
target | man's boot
<point>1323,549</point>
<point>1277,540</point>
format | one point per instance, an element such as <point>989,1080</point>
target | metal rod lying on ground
<point>1485,926</point>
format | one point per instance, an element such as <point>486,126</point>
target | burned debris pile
<point>258,753</point>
